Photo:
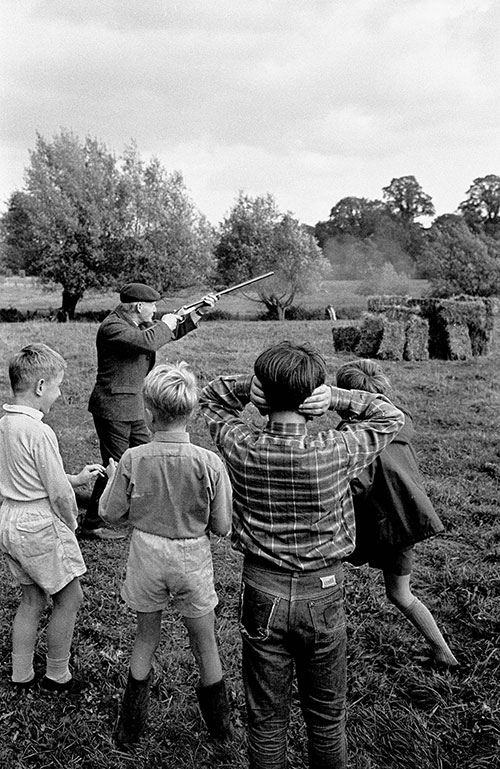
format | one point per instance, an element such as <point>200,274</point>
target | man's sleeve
<point>115,502</point>
<point>50,468</point>
<point>373,423</point>
<point>221,403</point>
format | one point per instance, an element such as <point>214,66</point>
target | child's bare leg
<point>24,632</point>
<point>397,588</point>
<point>211,692</point>
<point>146,642</point>
<point>60,630</point>
<point>203,644</point>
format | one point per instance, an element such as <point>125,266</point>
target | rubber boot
<point>134,712</point>
<point>214,706</point>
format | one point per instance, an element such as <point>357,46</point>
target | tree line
<point>86,219</point>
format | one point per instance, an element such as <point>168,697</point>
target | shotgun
<point>187,308</point>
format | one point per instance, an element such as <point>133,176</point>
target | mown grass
<point>401,715</point>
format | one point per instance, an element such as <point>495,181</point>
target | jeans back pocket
<point>256,612</point>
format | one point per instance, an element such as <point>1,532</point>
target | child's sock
<point>420,616</point>
<point>58,670</point>
<point>22,668</point>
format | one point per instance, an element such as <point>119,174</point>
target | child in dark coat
<point>393,513</point>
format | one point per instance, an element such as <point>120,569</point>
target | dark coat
<point>126,353</point>
<point>392,508</point>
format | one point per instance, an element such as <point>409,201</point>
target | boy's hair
<point>32,363</point>
<point>363,374</point>
<point>288,374</point>
<point>171,391</point>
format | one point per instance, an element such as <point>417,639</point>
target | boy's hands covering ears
<point>257,396</point>
<point>318,402</point>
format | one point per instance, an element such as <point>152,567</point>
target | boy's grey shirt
<point>170,487</point>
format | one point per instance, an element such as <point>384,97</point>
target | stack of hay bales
<point>394,329</point>
<point>460,327</point>
<point>405,328</point>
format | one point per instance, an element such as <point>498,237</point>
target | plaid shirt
<point>292,504</point>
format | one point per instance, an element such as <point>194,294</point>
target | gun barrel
<point>187,308</point>
<point>245,283</point>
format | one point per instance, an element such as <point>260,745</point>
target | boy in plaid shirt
<point>293,519</point>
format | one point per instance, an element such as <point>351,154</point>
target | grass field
<point>27,294</point>
<point>401,715</point>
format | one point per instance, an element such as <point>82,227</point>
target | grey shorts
<point>38,547</point>
<point>161,569</point>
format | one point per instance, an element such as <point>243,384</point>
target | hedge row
<point>13,315</point>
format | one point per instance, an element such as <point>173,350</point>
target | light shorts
<point>39,548</point>
<point>160,569</point>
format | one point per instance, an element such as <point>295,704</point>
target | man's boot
<point>214,706</point>
<point>134,712</point>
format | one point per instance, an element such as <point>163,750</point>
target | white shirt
<point>31,467</point>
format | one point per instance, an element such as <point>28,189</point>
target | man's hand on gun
<point>172,319</point>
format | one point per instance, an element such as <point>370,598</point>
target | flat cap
<point>138,292</point>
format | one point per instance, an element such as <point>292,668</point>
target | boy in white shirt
<point>38,515</point>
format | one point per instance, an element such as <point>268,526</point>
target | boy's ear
<point>39,387</point>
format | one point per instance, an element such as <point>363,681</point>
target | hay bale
<point>458,341</point>
<point>346,338</point>
<point>393,340</point>
<point>416,339</point>
<point>371,332</point>
<point>381,304</point>
<point>452,320</point>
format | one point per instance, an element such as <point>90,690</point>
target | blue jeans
<point>287,620</point>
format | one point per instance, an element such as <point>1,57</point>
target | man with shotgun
<point>127,341</point>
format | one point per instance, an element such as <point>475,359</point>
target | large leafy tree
<point>363,234</point>
<point>481,207</point>
<point>167,242</point>
<point>67,214</point>
<point>356,217</point>
<point>459,261</point>
<point>406,199</point>
<point>256,237</point>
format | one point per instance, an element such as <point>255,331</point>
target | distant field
<point>26,294</point>
<point>400,715</point>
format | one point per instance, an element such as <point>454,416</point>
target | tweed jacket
<point>126,353</point>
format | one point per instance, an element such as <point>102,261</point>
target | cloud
<point>255,93</point>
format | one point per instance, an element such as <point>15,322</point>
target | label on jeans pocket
<point>329,581</point>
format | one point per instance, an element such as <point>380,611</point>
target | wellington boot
<point>215,709</point>
<point>134,712</point>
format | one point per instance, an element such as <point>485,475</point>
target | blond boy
<point>173,493</point>
<point>38,516</point>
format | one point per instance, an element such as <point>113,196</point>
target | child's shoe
<point>73,686</point>
<point>134,712</point>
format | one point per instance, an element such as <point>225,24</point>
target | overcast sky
<point>310,100</point>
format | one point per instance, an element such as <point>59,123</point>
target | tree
<point>19,246</point>
<point>71,201</point>
<point>481,208</point>
<point>363,234</point>
<point>256,237</point>
<point>168,243</point>
<point>458,261</point>
<point>406,199</point>
<point>84,221</point>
